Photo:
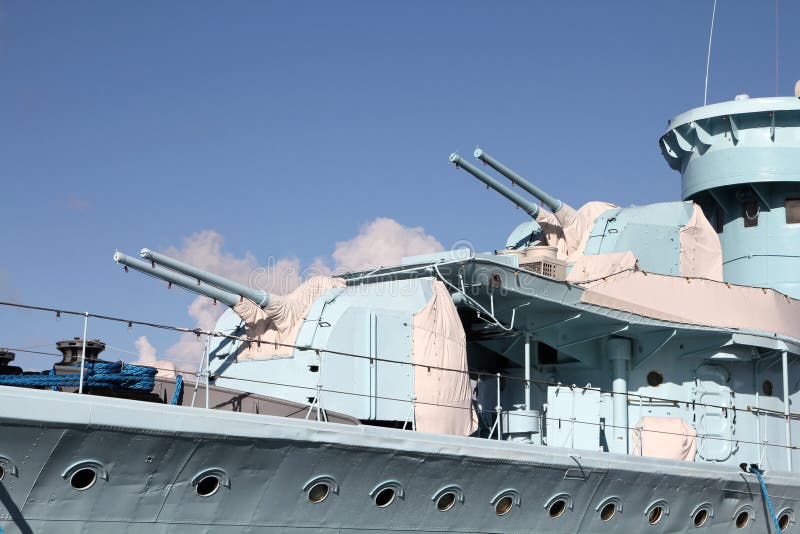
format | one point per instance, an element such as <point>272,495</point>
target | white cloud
<point>148,357</point>
<point>380,242</point>
<point>383,242</point>
<point>204,250</point>
<point>187,352</point>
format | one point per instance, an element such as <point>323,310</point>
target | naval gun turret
<point>366,344</point>
<point>529,240</point>
<point>671,238</point>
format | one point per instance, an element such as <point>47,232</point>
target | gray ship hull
<point>149,457</point>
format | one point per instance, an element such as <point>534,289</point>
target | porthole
<point>445,501</point>
<point>783,521</point>
<point>655,515</point>
<point>385,497</point>
<point>656,511</point>
<point>386,493</point>
<point>447,497</point>
<point>558,504</point>
<point>207,486</point>
<point>557,508</point>
<point>83,478</point>
<point>655,379</point>
<point>210,481</point>
<point>504,505</point>
<point>608,508</point>
<point>608,511</point>
<point>742,518</point>
<point>7,467</point>
<point>700,517</point>
<point>495,282</point>
<point>504,501</point>
<point>320,487</point>
<point>766,388</point>
<point>319,492</point>
<point>701,514</point>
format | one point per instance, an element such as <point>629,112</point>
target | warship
<point>610,369</point>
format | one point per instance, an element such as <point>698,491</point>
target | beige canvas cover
<point>565,215</point>
<point>592,269</point>
<point>701,251</point>
<point>570,239</point>
<point>664,437</point>
<point>697,301</point>
<point>279,322</point>
<point>578,232</point>
<point>443,397</point>
<point>553,232</point>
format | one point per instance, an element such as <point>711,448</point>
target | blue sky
<point>285,127</point>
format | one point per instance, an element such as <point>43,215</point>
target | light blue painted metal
<point>550,201</point>
<point>651,232</point>
<point>268,461</point>
<point>740,161</point>
<point>259,296</point>
<point>524,235</point>
<point>619,354</point>
<point>360,320</point>
<point>529,207</point>
<point>176,278</point>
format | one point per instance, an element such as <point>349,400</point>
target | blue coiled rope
<point>176,397</point>
<point>114,375</point>
<point>759,473</point>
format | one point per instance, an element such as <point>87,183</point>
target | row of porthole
<point>557,506</point>
<point>656,378</point>
<point>657,510</point>
<point>83,476</point>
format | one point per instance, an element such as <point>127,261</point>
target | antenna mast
<point>776,47</point>
<point>708,57</point>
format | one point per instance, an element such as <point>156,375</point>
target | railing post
<point>786,412</point>
<point>205,357</point>
<point>499,409</point>
<point>83,351</point>
<point>527,371</point>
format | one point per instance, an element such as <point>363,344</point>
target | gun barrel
<point>551,202</point>
<point>258,296</point>
<point>529,207</point>
<point>176,278</point>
